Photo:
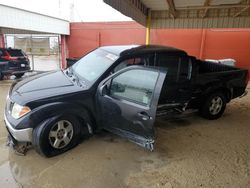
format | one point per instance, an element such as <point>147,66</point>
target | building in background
<point>201,43</point>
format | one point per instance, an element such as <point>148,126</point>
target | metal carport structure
<point>185,13</point>
<point>18,21</point>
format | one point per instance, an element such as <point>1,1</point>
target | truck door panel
<point>128,101</point>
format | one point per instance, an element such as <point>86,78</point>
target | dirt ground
<point>190,152</point>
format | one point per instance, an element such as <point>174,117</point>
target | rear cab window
<point>178,68</point>
<point>171,63</point>
<point>185,70</point>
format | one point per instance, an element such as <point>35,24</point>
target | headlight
<point>19,111</point>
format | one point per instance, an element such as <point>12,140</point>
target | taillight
<point>9,58</point>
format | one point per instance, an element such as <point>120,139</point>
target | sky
<point>72,10</point>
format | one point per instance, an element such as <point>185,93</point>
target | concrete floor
<point>190,152</point>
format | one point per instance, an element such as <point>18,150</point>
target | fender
<point>218,86</point>
<point>47,111</point>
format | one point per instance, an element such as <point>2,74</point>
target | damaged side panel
<point>128,103</point>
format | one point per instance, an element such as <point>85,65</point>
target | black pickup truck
<point>121,89</point>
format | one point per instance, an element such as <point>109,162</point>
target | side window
<point>147,60</point>
<point>1,53</point>
<point>135,85</point>
<point>171,63</point>
<point>185,68</point>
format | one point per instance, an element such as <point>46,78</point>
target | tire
<point>19,75</point>
<point>213,106</point>
<point>1,76</point>
<point>56,135</point>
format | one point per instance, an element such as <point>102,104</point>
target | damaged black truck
<point>121,89</point>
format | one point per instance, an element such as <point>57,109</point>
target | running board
<point>147,143</point>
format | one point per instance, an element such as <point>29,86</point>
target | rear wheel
<point>56,135</point>
<point>1,76</point>
<point>19,75</point>
<point>214,106</point>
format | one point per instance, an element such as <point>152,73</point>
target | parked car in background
<point>13,62</point>
<point>121,89</point>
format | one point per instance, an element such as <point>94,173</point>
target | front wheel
<point>214,106</point>
<point>56,135</point>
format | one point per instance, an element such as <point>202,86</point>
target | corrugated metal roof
<point>187,3</point>
<point>187,13</point>
<point>223,2</point>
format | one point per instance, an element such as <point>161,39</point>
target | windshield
<point>91,66</point>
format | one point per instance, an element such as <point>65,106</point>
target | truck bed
<point>208,67</point>
<point>213,75</point>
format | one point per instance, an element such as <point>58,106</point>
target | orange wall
<point>204,44</point>
<point>84,37</point>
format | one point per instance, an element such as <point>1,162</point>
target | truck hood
<point>41,86</point>
<point>42,82</point>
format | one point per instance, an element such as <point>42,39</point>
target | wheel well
<point>84,121</point>
<point>52,110</point>
<point>229,95</point>
<point>225,91</point>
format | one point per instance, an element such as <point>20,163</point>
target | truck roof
<point>122,50</point>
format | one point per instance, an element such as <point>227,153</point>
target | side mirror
<point>117,87</point>
<point>103,89</point>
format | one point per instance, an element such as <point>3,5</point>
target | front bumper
<point>22,135</point>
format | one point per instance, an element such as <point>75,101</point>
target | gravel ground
<point>190,152</point>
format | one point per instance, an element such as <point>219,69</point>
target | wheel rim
<point>216,105</point>
<point>61,134</point>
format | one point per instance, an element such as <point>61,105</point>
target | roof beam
<point>207,3</point>
<point>172,9</point>
<point>241,11</point>
<point>212,7</point>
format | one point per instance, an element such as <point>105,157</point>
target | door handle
<point>144,116</point>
